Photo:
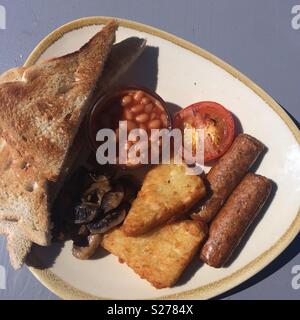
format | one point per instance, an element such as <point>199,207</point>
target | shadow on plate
<point>173,108</point>
<point>238,125</point>
<point>190,271</point>
<point>100,253</point>
<point>48,254</point>
<point>144,71</point>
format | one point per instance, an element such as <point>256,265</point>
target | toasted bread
<point>30,211</point>
<point>23,193</point>
<point>167,191</point>
<point>37,109</point>
<point>41,114</point>
<point>161,256</point>
<point>18,245</point>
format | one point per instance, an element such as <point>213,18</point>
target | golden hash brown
<point>161,256</point>
<point>167,191</point>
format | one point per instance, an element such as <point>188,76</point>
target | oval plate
<point>183,73</point>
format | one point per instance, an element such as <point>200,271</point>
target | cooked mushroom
<point>85,252</point>
<point>97,190</point>
<point>86,212</point>
<point>112,199</point>
<point>108,221</point>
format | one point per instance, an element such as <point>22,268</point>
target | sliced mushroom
<point>85,252</point>
<point>97,190</point>
<point>112,199</point>
<point>86,213</point>
<point>110,220</point>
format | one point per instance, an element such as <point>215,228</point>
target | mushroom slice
<point>85,252</point>
<point>112,199</point>
<point>97,190</point>
<point>86,213</point>
<point>110,220</point>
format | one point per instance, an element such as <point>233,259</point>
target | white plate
<point>187,74</point>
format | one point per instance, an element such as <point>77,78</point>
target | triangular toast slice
<point>41,112</point>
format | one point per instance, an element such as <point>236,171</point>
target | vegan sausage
<point>227,174</point>
<point>229,226</point>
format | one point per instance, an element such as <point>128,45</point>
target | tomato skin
<point>218,124</point>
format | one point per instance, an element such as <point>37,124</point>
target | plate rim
<point>66,291</point>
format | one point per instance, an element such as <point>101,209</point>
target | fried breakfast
<point>160,256</point>
<point>52,189</point>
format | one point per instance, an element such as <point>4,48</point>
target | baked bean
<point>148,107</point>
<point>137,108</point>
<point>138,96</point>
<point>128,115</point>
<point>142,118</point>
<point>152,116</point>
<point>126,101</point>
<point>131,125</point>
<point>154,124</point>
<point>145,100</point>
<point>164,120</point>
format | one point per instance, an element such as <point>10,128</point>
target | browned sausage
<point>227,174</point>
<point>229,226</point>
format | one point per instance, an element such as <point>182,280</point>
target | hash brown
<point>161,256</point>
<point>167,191</point>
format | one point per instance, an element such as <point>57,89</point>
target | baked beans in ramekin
<point>140,107</point>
